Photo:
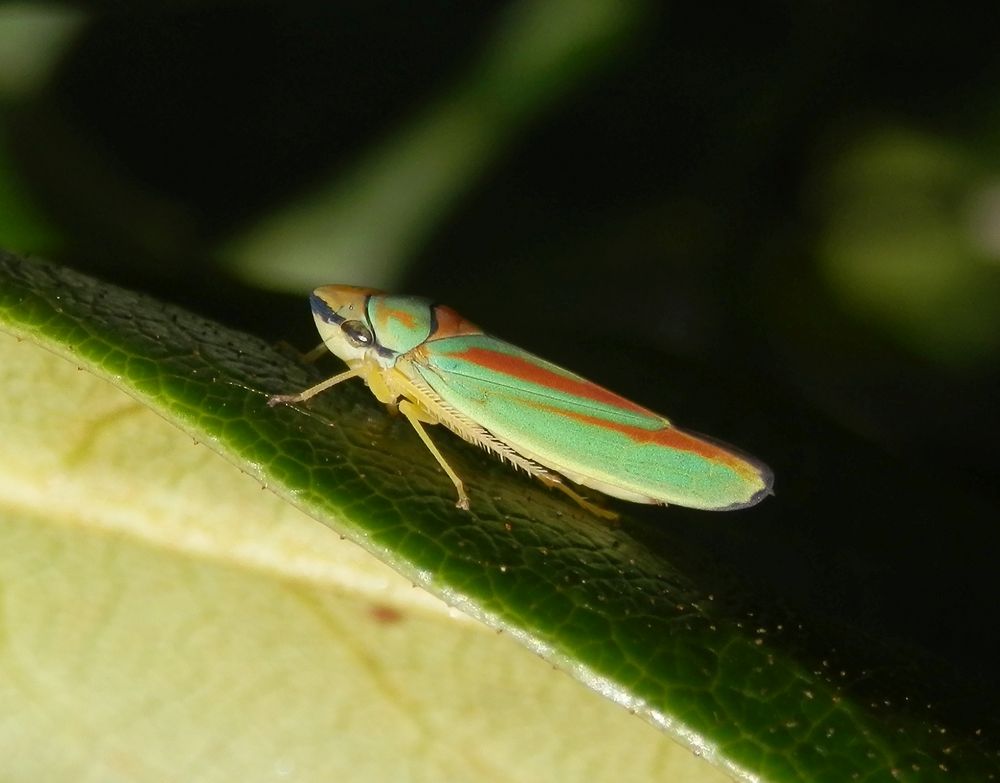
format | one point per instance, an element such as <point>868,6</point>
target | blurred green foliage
<point>911,241</point>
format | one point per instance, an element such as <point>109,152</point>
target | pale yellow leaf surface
<point>164,618</point>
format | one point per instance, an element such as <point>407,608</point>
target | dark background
<point>772,224</point>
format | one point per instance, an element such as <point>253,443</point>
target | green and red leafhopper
<point>438,368</point>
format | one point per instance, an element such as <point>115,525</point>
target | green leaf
<point>162,617</point>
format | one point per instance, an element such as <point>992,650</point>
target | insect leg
<point>317,352</point>
<point>312,391</point>
<point>415,416</point>
<point>581,501</point>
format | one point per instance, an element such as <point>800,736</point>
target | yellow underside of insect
<point>399,388</point>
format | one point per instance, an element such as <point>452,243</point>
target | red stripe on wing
<point>669,437</point>
<point>526,370</point>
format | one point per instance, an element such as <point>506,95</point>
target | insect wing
<point>585,432</point>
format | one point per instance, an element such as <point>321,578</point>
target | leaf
<point>162,618</point>
<point>271,647</point>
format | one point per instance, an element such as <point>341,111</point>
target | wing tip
<point>766,490</point>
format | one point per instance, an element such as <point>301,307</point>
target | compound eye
<point>359,334</point>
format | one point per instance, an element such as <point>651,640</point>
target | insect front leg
<point>312,391</point>
<point>417,417</point>
<point>316,353</point>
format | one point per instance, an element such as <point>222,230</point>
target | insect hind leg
<point>580,500</point>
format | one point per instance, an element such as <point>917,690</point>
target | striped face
<point>356,323</point>
<point>340,312</point>
<point>506,399</point>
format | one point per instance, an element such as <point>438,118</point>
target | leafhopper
<point>436,367</point>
